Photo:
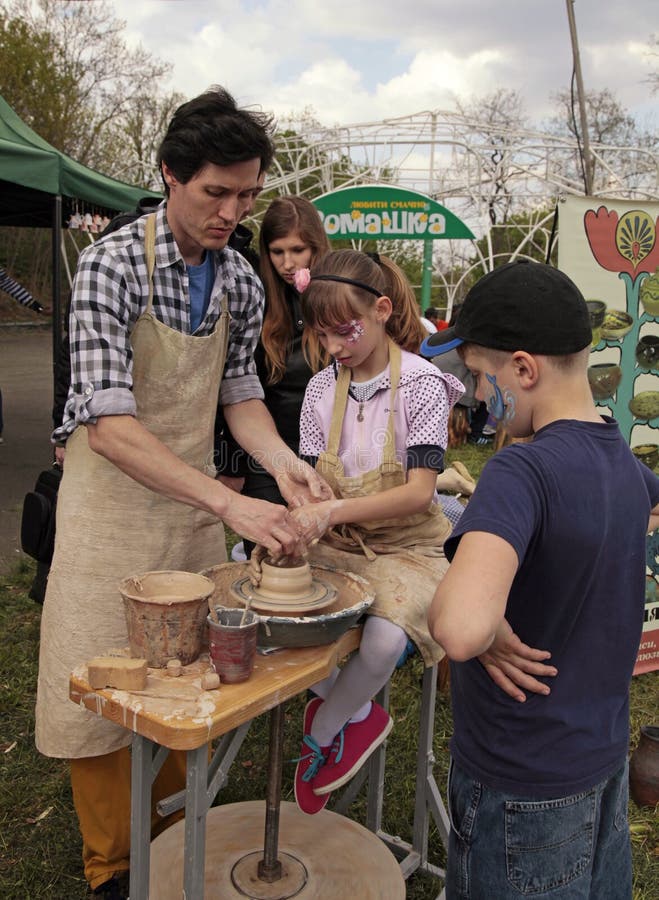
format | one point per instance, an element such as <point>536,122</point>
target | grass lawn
<point>39,841</point>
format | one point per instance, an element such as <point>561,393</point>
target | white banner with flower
<point>610,249</point>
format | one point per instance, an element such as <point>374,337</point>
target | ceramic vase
<point>604,379</point>
<point>644,768</point>
<point>647,352</point>
<point>596,312</point>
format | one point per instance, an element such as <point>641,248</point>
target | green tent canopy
<point>40,187</point>
<point>32,172</point>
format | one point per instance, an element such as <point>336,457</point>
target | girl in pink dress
<point>375,423</point>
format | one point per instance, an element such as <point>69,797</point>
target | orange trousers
<point>101,796</point>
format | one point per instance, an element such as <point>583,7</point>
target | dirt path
<point>26,381</point>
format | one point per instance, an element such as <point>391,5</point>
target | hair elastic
<point>359,284</point>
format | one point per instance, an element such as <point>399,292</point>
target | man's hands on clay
<point>300,484</point>
<point>268,524</point>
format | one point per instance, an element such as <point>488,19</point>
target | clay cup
<point>232,644</point>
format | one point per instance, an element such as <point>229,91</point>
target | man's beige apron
<point>402,558</point>
<point>109,526</point>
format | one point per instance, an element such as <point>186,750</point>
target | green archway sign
<point>385,213</point>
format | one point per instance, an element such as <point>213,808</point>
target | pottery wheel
<point>323,857</point>
<point>320,596</point>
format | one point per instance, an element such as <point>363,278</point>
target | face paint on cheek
<point>354,331</point>
<point>494,402</point>
<point>500,404</point>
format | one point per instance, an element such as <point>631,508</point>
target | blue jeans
<point>573,848</point>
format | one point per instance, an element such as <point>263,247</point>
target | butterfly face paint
<point>501,405</point>
<point>351,331</point>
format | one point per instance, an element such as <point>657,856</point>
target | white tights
<point>347,692</point>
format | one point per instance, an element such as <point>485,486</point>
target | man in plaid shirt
<point>110,292</point>
<point>149,342</point>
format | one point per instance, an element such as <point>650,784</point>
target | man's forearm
<point>254,429</point>
<point>126,443</point>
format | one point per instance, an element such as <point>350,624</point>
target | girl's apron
<point>402,558</point>
<point>109,526</point>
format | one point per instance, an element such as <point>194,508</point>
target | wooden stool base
<point>339,856</point>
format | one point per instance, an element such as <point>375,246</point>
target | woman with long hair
<point>292,237</point>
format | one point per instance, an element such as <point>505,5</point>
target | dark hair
<point>329,303</point>
<point>212,129</point>
<point>433,313</point>
<point>285,216</point>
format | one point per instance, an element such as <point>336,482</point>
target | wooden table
<point>174,713</point>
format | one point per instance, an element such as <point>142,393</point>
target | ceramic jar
<point>596,313</point>
<point>644,768</point>
<point>647,352</point>
<point>604,379</point>
<point>648,454</point>
<point>649,294</point>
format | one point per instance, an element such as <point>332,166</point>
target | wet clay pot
<point>644,768</point>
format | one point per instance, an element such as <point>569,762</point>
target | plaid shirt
<point>111,291</point>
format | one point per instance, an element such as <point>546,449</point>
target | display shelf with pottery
<point>281,625</point>
<point>633,336</point>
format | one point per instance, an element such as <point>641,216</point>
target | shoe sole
<point>347,776</point>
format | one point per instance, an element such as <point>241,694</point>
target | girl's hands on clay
<point>312,520</point>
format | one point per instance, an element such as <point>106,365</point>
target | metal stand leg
<point>262,876</point>
<point>427,801</point>
<point>269,868</point>
<point>203,781</point>
<point>144,768</point>
<point>196,807</point>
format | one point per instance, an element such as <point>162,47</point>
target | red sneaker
<point>311,759</point>
<point>347,756</point>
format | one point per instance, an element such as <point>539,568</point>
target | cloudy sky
<point>364,60</point>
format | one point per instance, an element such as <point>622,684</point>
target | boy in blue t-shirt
<point>552,546</point>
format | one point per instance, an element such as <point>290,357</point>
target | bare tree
<point>68,71</point>
<point>621,150</point>
<point>493,121</point>
<point>653,56</point>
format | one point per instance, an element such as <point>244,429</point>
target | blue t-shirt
<point>200,279</point>
<point>574,504</point>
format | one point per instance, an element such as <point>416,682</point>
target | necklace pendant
<point>360,414</point>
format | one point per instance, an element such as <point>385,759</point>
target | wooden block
<point>174,667</point>
<point>210,681</point>
<point>118,672</point>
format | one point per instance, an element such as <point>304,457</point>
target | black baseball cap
<point>523,305</point>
